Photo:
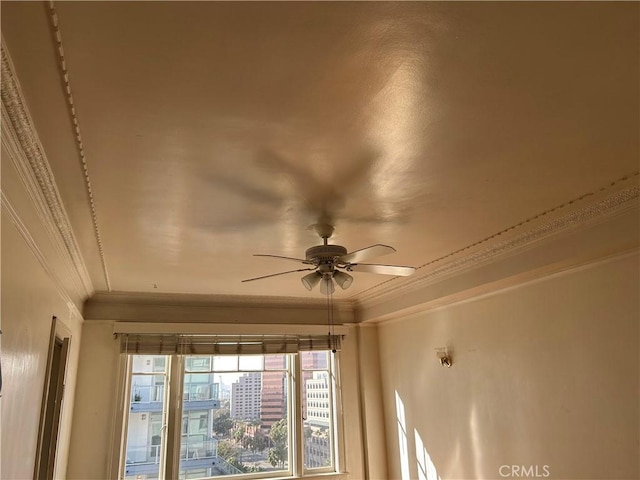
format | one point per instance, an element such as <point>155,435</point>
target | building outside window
<point>236,415</point>
<point>246,397</point>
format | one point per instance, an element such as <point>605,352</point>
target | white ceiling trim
<point>21,140</point>
<point>78,137</point>
<point>597,208</point>
<point>458,263</point>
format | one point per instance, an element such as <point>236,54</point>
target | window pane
<point>198,364</point>
<point>225,430</point>
<point>314,360</point>
<point>225,363</point>
<point>200,387</point>
<point>146,418</point>
<point>317,405</point>
<point>159,364</point>
<point>251,362</point>
<point>275,362</point>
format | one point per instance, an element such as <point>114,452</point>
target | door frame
<point>46,451</point>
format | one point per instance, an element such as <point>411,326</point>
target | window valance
<point>207,344</point>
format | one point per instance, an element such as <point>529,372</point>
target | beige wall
<point>375,455</point>
<point>92,432</point>
<point>544,374</point>
<point>31,295</point>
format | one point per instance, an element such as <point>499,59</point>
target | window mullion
<point>174,417</point>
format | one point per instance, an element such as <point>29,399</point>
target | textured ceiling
<point>212,131</point>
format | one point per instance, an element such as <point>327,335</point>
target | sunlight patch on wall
<point>426,468</point>
<point>475,442</point>
<point>402,438</point>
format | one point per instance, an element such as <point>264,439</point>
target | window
<point>316,382</point>
<point>233,415</point>
<point>146,415</point>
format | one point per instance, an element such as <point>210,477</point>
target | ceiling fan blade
<point>368,252</point>
<point>244,189</point>
<point>300,260</point>
<point>276,274</point>
<point>398,270</point>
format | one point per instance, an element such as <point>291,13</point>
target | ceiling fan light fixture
<point>327,286</point>
<point>344,280</point>
<point>311,280</point>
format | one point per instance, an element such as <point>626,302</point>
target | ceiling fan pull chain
<point>328,314</point>
<point>330,318</point>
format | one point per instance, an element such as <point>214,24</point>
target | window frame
<point>174,396</point>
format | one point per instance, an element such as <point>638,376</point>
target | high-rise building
<point>318,400</point>
<point>246,396</point>
<point>274,400</point>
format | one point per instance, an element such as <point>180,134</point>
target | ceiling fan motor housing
<point>325,253</point>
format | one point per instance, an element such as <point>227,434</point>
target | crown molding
<point>27,155</point>
<point>530,278</point>
<point>70,102</point>
<point>604,206</point>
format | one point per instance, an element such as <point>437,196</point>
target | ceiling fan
<point>329,263</point>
